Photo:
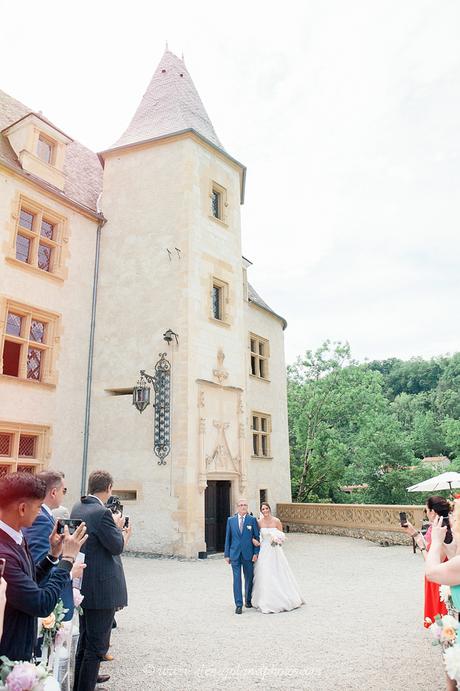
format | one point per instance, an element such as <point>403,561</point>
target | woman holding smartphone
<point>436,507</point>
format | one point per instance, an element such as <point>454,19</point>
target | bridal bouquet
<point>24,676</point>
<point>277,538</point>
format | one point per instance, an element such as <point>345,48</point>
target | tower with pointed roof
<point>171,259</point>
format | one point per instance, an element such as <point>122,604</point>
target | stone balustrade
<point>376,522</point>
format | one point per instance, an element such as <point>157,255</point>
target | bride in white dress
<point>275,588</point>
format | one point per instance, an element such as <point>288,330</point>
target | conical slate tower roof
<point>171,104</point>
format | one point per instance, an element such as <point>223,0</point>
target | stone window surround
<point>53,322</point>
<point>256,354</point>
<point>219,283</point>
<point>223,218</point>
<point>267,434</point>
<point>42,445</point>
<point>59,243</point>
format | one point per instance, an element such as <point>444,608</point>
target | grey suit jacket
<point>104,585</point>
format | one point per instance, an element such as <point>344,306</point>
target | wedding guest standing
<point>435,506</point>
<point>103,586</point>
<point>21,495</point>
<point>38,534</point>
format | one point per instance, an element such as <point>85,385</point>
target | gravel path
<point>361,627</point>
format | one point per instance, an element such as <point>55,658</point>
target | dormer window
<point>45,149</point>
<point>40,147</point>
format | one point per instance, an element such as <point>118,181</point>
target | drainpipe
<point>89,374</point>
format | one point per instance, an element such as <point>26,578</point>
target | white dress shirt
<point>17,536</point>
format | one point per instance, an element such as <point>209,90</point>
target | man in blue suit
<point>38,534</point>
<point>241,552</point>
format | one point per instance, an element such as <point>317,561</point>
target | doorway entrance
<point>216,511</point>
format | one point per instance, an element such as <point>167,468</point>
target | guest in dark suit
<point>104,586</point>
<point>240,552</point>
<point>38,534</point>
<point>21,496</point>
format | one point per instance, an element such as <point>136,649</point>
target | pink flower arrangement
<point>23,677</point>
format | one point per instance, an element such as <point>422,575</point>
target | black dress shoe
<point>239,610</point>
<point>248,605</point>
<point>102,678</point>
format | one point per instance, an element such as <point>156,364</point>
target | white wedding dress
<point>275,588</point>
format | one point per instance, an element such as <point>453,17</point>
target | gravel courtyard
<point>361,626</point>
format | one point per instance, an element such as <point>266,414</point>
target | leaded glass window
<point>34,359</point>
<point>22,248</point>
<point>13,324</point>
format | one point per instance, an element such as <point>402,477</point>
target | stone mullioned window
<point>29,340</point>
<point>23,447</point>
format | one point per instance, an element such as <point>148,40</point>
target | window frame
<point>48,346</point>
<point>14,461</point>
<point>215,188</point>
<point>51,143</point>
<point>257,433</point>
<point>224,300</point>
<point>37,239</point>
<point>258,358</point>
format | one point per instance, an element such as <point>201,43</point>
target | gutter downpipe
<point>89,374</point>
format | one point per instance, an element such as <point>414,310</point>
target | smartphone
<point>2,566</point>
<point>126,523</point>
<point>71,523</point>
<point>403,519</point>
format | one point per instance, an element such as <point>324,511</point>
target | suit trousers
<point>248,570</point>
<point>93,644</point>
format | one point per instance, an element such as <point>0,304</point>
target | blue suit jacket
<point>240,544</point>
<point>37,537</point>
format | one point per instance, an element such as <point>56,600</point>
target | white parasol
<point>449,481</point>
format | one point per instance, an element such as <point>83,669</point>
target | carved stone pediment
<point>221,459</point>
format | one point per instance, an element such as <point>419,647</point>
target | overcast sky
<point>347,115</point>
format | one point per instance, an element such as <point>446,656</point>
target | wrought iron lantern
<point>161,381</point>
<point>141,394</point>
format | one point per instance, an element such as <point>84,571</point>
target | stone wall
<point>375,522</point>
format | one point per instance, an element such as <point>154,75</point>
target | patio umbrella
<point>443,481</point>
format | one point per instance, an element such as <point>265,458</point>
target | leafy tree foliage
<point>369,424</point>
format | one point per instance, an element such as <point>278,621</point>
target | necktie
<point>241,524</point>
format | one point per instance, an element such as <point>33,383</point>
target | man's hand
<point>72,543</point>
<point>255,542</point>
<point>56,542</point>
<point>118,519</point>
<point>127,533</point>
<point>227,560</point>
<point>255,557</point>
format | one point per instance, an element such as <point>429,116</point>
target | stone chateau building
<point>111,263</point>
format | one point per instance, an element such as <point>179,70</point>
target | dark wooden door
<point>217,510</point>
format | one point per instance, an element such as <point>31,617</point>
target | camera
<point>114,504</point>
